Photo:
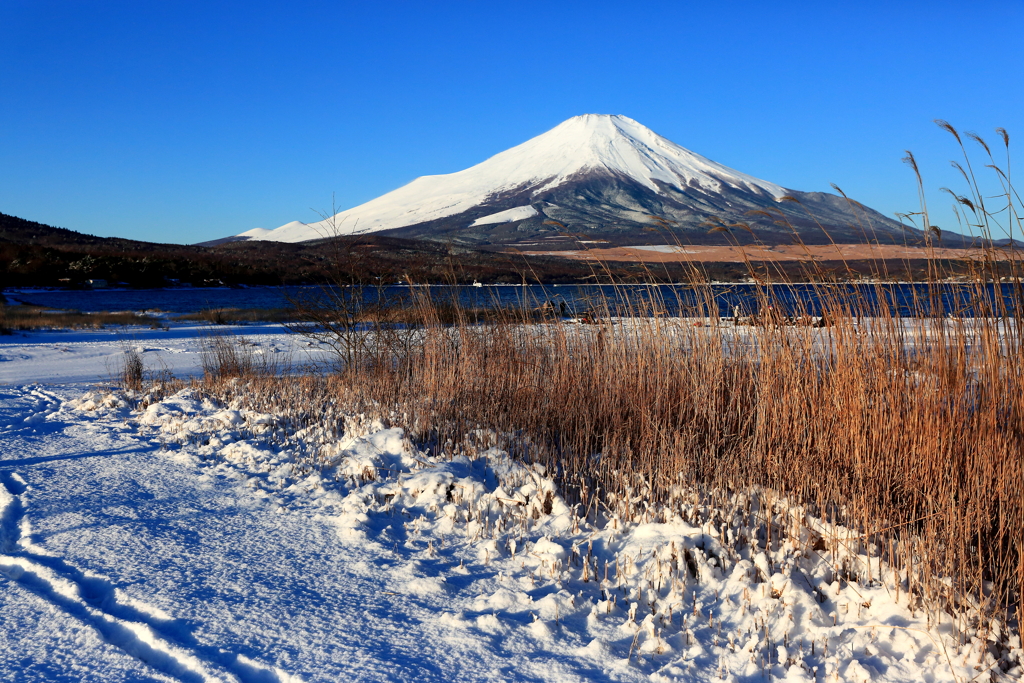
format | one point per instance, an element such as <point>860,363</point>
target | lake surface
<point>903,299</point>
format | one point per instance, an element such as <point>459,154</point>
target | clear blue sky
<point>185,121</point>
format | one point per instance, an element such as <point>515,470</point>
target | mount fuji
<point>603,176</point>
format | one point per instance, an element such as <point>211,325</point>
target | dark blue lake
<point>903,298</point>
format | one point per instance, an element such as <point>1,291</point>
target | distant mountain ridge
<point>604,176</point>
<point>33,254</point>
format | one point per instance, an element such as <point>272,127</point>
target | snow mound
<point>101,401</point>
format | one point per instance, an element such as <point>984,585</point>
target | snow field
<point>505,567</point>
<point>87,356</point>
<point>101,632</point>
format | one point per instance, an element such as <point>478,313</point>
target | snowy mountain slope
<point>593,172</point>
<point>255,233</point>
<point>508,216</point>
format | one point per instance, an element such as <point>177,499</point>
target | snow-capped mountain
<point>598,174</point>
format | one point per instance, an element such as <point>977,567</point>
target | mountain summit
<point>601,175</point>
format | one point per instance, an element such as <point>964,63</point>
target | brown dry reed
<point>907,430</point>
<point>226,356</point>
<point>24,318</point>
<point>132,372</point>
<point>230,316</point>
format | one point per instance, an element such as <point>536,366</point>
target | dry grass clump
<point>225,356</point>
<point>132,372</point>
<point>26,318</point>
<point>366,325</point>
<point>229,316</point>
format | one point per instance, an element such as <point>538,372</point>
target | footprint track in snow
<point>35,406</point>
<point>11,512</point>
<point>165,645</point>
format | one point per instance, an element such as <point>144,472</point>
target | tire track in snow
<point>169,649</point>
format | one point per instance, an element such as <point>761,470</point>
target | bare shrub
<point>225,355</point>
<point>133,370</point>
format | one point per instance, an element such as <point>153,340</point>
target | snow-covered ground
<point>91,356</point>
<point>195,541</point>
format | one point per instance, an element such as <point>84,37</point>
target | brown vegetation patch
<point>40,318</point>
<point>785,252</point>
